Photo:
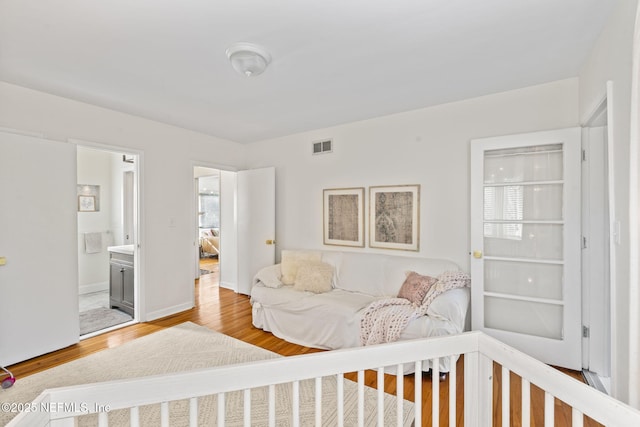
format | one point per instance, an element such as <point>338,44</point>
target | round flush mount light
<point>248,59</point>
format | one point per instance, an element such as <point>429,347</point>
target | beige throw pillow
<point>291,260</point>
<point>415,287</point>
<point>314,276</point>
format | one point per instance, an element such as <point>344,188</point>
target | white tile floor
<point>94,300</point>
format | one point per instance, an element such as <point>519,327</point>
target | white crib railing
<point>60,407</point>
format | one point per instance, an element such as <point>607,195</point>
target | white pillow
<point>290,261</point>
<point>314,276</point>
<point>451,305</point>
<point>270,276</point>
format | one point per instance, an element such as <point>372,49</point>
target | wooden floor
<point>225,311</point>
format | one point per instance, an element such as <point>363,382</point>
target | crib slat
<point>164,414</point>
<point>193,412</point>
<point>435,391</point>
<point>400,393</point>
<point>577,418</point>
<point>134,416</point>
<point>526,403</point>
<point>221,410</point>
<point>361,398</point>
<point>484,393</point>
<point>340,397</point>
<point>247,407</point>
<point>380,396</point>
<point>548,409</point>
<point>295,415</point>
<point>103,419</point>
<point>319,401</point>
<point>418,391</point>
<point>471,377</point>
<point>506,389</point>
<point>452,391</point>
<point>272,405</point>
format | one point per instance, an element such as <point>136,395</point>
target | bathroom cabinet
<point>121,281</point>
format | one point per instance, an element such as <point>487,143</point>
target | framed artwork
<point>86,203</point>
<point>394,217</point>
<point>86,191</point>
<point>343,216</point>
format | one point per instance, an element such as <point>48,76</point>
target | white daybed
<point>331,319</point>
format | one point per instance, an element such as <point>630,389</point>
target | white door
<point>525,243</point>
<point>39,242</point>
<point>256,224</point>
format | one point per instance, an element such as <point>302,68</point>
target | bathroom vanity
<point>121,278</point>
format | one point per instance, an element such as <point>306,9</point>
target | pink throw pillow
<point>415,287</point>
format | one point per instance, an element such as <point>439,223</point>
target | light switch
<point>3,260</point>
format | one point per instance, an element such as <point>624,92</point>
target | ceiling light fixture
<point>248,59</point>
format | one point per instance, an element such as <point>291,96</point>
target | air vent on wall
<point>322,147</point>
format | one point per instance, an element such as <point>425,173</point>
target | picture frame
<point>343,216</point>
<point>88,190</point>
<point>86,203</point>
<point>394,217</point>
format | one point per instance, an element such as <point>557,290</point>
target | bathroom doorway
<point>107,236</point>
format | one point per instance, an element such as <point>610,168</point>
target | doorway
<point>208,214</point>
<point>107,211</point>
<point>246,227</point>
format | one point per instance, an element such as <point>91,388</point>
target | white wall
<point>429,147</point>
<point>94,168</point>
<point>167,157</point>
<point>611,59</point>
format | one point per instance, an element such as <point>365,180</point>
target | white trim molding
<point>634,218</point>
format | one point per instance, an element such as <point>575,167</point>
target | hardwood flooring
<point>225,311</point>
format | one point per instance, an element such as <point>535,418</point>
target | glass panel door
<point>525,234</point>
<point>523,229</point>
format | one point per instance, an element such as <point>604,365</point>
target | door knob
<point>477,254</point>
<point>270,242</point>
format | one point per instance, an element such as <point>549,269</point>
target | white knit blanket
<point>385,319</point>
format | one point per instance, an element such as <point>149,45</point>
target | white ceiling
<point>334,61</point>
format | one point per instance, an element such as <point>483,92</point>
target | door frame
<point>138,230</point>
<point>194,226</point>
<point>608,332</point>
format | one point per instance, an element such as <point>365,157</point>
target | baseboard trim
<point>93,287</point>
<point>228,285</point>
<point>158,314</point>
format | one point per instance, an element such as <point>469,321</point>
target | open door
<point>525,243</point>
<point>256,221</point>
<point>38,242</point>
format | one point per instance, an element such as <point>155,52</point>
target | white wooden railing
<point>480,352</point>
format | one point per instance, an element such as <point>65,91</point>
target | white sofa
<point>331,320</point>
